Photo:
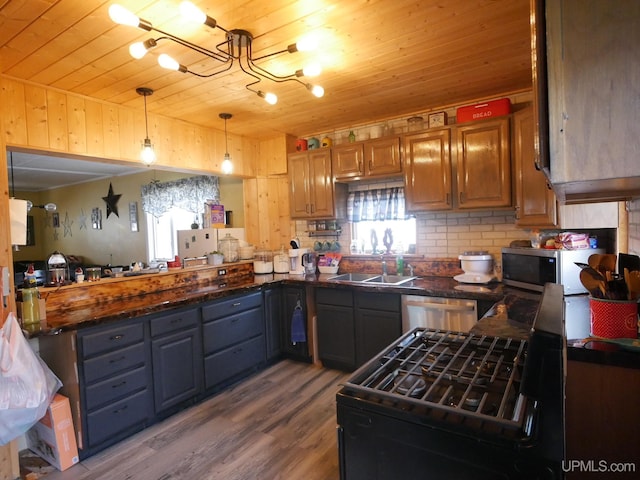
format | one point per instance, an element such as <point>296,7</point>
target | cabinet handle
<point>120,336</point>
<point>237,304</point>
<point>517,212</point>
<point>306,208</point>
<point>176,320</point>
<point>448,198</point>
<point>312,208</point>
<point>118,385</point>
<point>120,410</point>
<point>461,197</point>
<point>116,360</point>
<point>370,165</point>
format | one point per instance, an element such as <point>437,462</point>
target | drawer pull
<point>176,320</point>
<point>237,304</point>
<point>120,410</point>
<point>118,385</point>
<point>118,337</point>
<point>115,360</point>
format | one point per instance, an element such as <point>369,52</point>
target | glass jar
<point>228,246</point>
<point>263,262</point>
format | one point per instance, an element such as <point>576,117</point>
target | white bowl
<point>477,263</point>
<point>328,269</point>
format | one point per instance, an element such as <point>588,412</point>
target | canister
<point>228,246</point>
<point>281,262</point>
<point>263,262</point>
<point>301,145</point>
<point>313,143</point>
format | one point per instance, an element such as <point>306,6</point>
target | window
<point>162,232</point>
<point>403,233</point>
<point>379,220</point>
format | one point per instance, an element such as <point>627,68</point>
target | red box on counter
<point>484,110</point>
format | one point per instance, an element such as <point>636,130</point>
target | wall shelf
<point>325,233</point>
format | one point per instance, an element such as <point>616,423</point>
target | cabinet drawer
<point>115,387</point>
<point>116,337</point>
<point>174,321</point>
<point>227,363</point>
<point>119,416</point>
<point>389,302</point>
<point>224,308</point>
<point>334,296</point>
<point>228,331</point>
<point>114,362</point>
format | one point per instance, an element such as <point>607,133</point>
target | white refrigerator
<point>199,242</point>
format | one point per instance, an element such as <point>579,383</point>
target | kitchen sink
<point>390,279</point>
<point>372,278</point>
<point>353,277</point>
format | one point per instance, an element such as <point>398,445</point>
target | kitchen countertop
<point>511,314</point>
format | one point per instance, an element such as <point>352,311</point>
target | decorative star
<point>112,202</point>
<point>67,224</point>
<point>82,219</point>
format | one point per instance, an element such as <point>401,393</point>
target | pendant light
<point>147,154</point>
<point>227,165</point>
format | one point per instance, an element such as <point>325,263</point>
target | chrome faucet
<point>410,267</point>
<point>384,267</point>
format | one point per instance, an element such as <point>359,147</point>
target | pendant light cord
<point>146,121</point>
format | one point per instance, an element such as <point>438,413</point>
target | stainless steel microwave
<point>531,268</point>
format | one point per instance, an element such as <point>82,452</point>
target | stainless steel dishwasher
<point>438,313</point>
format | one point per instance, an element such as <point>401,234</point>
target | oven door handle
<point>441,306</point>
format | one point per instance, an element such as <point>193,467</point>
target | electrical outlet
<point>222,271</point>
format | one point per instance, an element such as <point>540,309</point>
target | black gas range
<point>450,405</point>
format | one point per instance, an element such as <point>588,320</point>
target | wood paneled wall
<point>36,117</point>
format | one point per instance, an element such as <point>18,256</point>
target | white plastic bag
<point>27,385</point>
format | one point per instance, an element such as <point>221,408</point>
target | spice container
<point>228,246</point>
<point>263,262</point>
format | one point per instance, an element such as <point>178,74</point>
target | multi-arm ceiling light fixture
<point>236,47</point>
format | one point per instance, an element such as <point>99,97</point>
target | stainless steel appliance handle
<point>441,306</point>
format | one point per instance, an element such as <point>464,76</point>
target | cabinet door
<point>335,328</point>
<point>428,171</point>
<point>272,316</point>
<point>382,157</point>
<point>535,200</point>
<point>484,164</point>
<point>378,322</point>
<point>298,185</point>
<point>177,368</point>
<point>320,184</point>
<point>291,296</point>
<point>348,161</point>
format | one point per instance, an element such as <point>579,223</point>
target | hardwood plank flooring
<point>279,424</point>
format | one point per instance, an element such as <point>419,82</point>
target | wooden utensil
<point>603,262</point>
<point>593,282</point>
<point>632,280</point>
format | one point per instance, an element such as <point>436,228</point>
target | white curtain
<point>187,193</point>
<point>378,204</point>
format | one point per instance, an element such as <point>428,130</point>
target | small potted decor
<point>214,258</point>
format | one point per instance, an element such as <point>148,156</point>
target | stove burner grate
<point>450,373</point>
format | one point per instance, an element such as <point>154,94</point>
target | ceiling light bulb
<point>316,90</point>
<point>169,63</point>
<point>50,207</point>
<point>270,98</point>
<point>192,13</point>
<point>307,43</point>
<point>29,205</point>
<point>227,165</point>
<point>147,154</point>
<point>312,70</point>
<point>122,16</point>
<point>137,50</point>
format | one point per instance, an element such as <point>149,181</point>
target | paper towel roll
<point>18,216</point>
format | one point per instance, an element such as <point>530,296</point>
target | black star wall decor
<point>112,202</point>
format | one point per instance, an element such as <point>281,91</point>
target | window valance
<point>189,194</point>
<point>376,204</point>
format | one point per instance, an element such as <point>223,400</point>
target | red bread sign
<point>482,111</point>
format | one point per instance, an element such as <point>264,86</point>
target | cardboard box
<point>482,111</point>
<point>53,437</point>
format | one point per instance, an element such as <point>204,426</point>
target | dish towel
<point>297,325</point>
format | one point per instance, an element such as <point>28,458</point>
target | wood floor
<point>277,424</point>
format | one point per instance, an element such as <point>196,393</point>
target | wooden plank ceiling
<point>381,58</point>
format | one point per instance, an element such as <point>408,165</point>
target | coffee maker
<point>296,266</point>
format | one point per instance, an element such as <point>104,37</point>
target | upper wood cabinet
<point>536,204</point>
<point>428,170</point>
<point>311,184</point>
<point>373,158</point>
<point>483,164</point>
<point>593,64</point>
<point>473,172</point>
